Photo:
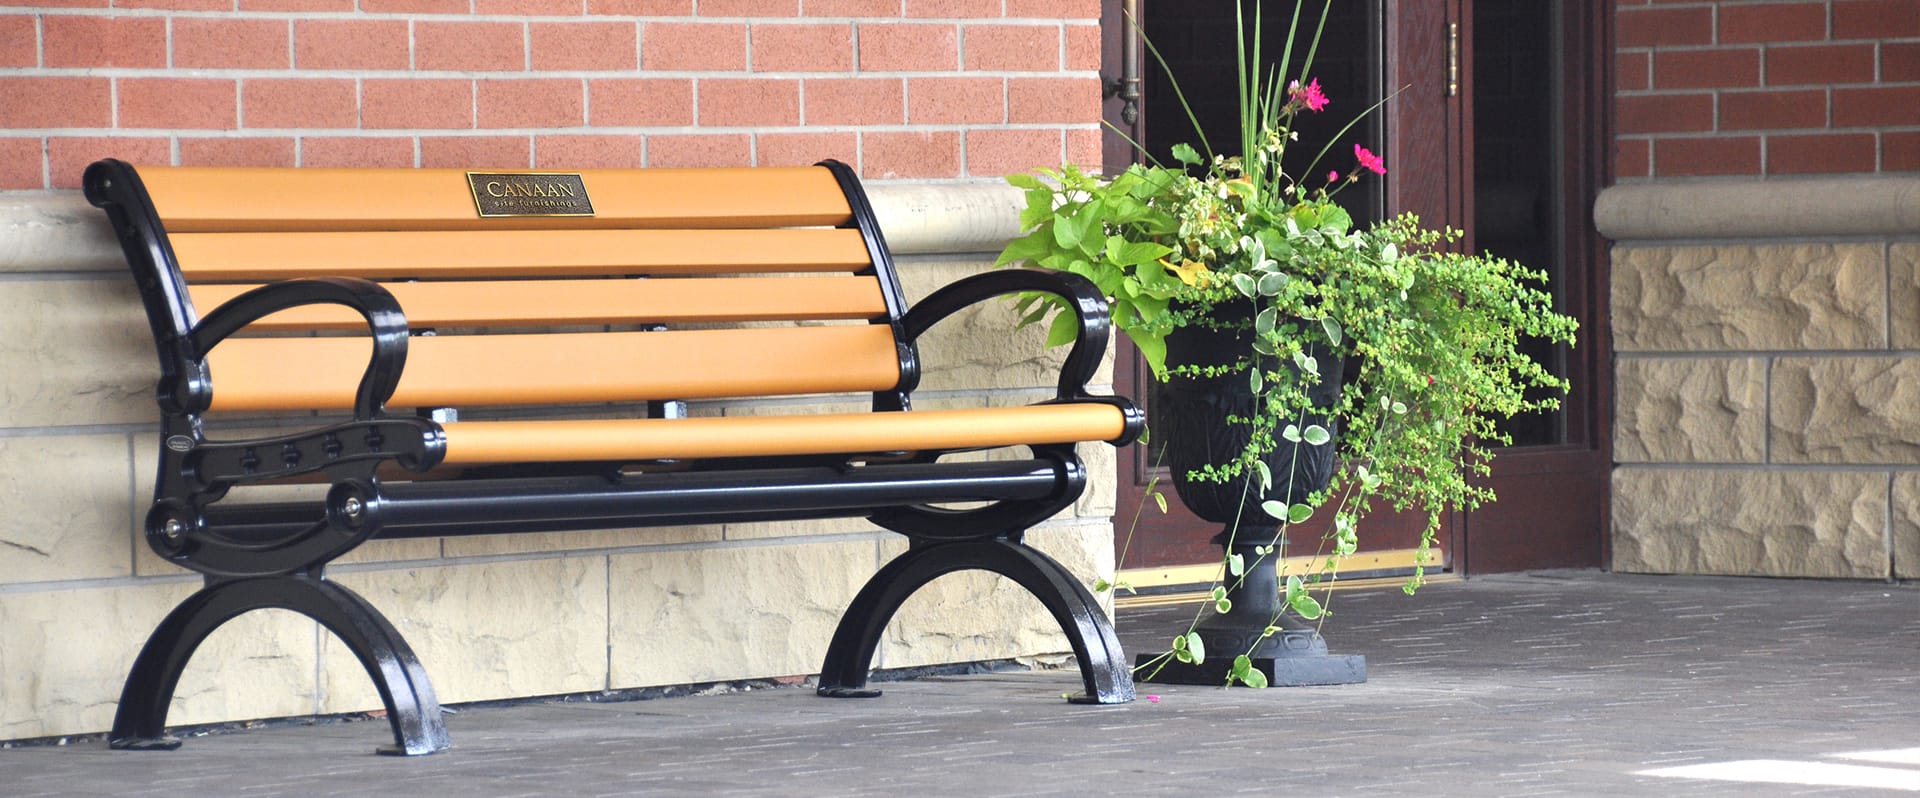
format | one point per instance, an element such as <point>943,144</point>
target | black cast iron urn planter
<point>1189,416</point>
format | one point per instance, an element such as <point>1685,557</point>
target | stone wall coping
<point>57,231</point>
<point>1866,205</point>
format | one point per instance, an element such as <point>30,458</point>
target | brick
<point>1011,48</point>
<point>997,152</point>
<point>475,152</point>
<point>68,157</point>
<point>1722,155</point>
<point>727,102</point>
<point>287,6</point>
<point>296,103</point>
<point>1663,113</point>
<point>19,41</point>
<point>1053,100</point>
<point>414,6</point>
<point>527,7</point>
<point>539,102</point>
<point>236,152</point>
<point>416,103</point>
<point>230,43</point>
<point>33,102</point>
<point>1877,106</point>
<point>855,101</point>
<point>350,44</point>
<point>694,46</point>
<point>805,149</point>
<point>1900,62</point>
<point>749,8</point>
<point>597,46</point>
<point>86,41</point>
<point>1632,158</point>
<point>1054,9</point>
<point>1900,151</point>
<point>1730,68</point>
<point>359,151</point>
<point>164,103</point>
<point>1083,48</point>
<point>1820,64</point>
<point>908,47</point>
<point>641,8</point>
<point>469,46</point>
<point>953,9</point>
<point>1663,27</point>
<point>602,151</point>
<point>1772,22</point>
<point>1831,153</point>
<point>910,154</point>
<point>678,150</point>
<point>850,8</point>
<point>176,5</point>
<point>1086,148</point>
<point>1633,71</point>
<point>1875,19</point>
<point>956,101</point>
<point>21,162</point>
<point>1773,110</point>
<point>626,102</point>
<point>802,48</point>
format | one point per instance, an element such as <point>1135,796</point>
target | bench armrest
<point>384,320</point>
<point>1089,308</point>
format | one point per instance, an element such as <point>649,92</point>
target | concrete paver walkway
<point>1559,683</point>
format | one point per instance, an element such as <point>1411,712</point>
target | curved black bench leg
<point>1103,667</point>
<point>412,709</point>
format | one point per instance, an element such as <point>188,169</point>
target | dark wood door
<point>1542,61</point>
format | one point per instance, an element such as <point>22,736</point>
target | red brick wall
<point>1767,87</point>
<point>899,88</point>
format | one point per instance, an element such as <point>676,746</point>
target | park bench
<point>460,353</point>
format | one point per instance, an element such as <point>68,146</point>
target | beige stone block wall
<point>1767,379</point>
<point>491,617</point>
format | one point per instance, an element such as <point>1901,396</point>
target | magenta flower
<point>1333,177</point>
<point>1311,96</point>
<point>1369,160</point>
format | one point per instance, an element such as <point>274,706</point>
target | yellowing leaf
<point>1193,273</point>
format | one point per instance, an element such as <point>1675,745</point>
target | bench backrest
<point>663,292</point>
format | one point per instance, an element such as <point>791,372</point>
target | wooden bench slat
<point>508,253</point>
<point>534,303</point>
<point>211,199</point>
<point>252,374</point>
<point>474,443</point>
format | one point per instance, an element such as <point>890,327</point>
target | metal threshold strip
<point>1185,584</point>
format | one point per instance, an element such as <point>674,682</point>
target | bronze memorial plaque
<point>529,194</point>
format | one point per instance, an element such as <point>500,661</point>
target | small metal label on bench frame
<point>529,194</point>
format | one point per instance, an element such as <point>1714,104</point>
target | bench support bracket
<point>412,709</point>
<point>1103,667</point>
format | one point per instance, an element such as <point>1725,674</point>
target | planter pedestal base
<point>1293,656</point>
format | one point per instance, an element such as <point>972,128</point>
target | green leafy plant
<point>1431,338</point>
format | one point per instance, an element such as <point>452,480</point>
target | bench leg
<point>1103,667</point>
<point>412,709</point>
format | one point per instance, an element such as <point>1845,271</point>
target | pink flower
<point>1369,160</point>
<point>1311,96</point>
<point>1333,177</point>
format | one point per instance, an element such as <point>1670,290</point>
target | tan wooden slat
<point>531,303</point>
<point>470,443</point>
<point>494,370</point>
<point>266,257</point>
<point>211,199</point>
